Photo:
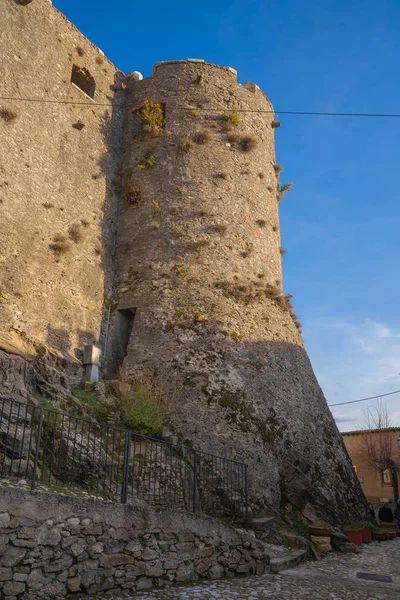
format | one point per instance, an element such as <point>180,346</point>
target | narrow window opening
<point>83,80</point>
<point>119,339</point>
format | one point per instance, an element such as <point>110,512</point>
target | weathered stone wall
<point>199,258</point>
<point>54,544</point>
<point>53,177</point>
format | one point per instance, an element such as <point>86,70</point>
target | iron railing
<point>60,452</point>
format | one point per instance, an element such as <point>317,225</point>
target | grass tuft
<point>185,144</point>
<point>203,136</point>
<point>7,115</point>
<point>60,245</point>
<point>75,233</point>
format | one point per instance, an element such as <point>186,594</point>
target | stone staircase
<point>281,557</point>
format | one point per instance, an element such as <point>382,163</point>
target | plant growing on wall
<point>148,160</point>
<point>281,190</point>
<point>230,117</point>
<point>142,405</point>
<point>151,117</point>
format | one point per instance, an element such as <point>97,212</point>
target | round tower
<point>200,277</point>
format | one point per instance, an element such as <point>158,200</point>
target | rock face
<point>200,270</point>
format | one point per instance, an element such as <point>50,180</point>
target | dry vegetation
<point>75,233</point>
<point>185,144</point>
<point>60,245</point>
<point>203,136</point>
<point>7,115</point>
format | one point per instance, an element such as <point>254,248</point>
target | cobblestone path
<point>337,577</point>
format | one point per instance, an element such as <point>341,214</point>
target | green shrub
<point>143,409</point>
<point>281,190</point>
<point>230,117</point>
<point>151,117</point>
<point>148,160</point>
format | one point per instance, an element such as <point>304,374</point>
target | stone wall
<point>58,210</point>
<point>55,544</point>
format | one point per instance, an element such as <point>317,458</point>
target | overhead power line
<point>240,110</point>
<point>365,399</point>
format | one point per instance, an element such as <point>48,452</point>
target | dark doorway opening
<point>119,339</point>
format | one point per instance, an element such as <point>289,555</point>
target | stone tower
<point>200,300</point>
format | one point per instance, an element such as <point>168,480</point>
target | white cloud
<point>354,360</point>
<point>344,419</point>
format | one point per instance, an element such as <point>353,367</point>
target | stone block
<point>323,543</point>
<point>13,588</point>
<point>20,577</point>
<point>115,560</point>
<point>149,554</point>
<point>144,583</point>
<point>154,569</point>
<point>49,537</point>
<point>5,574</point>
<point>74,584</point>
<point>12,557</point>
<point>91,373</point>
<point>4,520</point>
<point>91,355</point>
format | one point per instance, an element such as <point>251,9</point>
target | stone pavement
<point>334,578</point>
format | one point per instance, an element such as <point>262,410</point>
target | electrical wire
<point>365,399</point>
<point>240,110</point>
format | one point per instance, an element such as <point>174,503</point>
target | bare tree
<point>378,446</point>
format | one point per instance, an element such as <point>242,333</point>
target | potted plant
<point>380,535</point>
<point>391,534</point>
<point>367,532</point>
<point>389,526</point>
<point>354,532</point>
<point>321,529</point>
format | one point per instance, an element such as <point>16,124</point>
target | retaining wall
<point>52,544</point>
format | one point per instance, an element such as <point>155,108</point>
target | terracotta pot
<point>380,536</point>
<point>321,531</point>
<point>367,535</point>
<point>354,535</point>
<point>392,526</point>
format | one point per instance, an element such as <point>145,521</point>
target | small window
<point>83,80</point>
<point>386,477</point>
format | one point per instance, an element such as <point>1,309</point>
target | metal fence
<point>60,452</point>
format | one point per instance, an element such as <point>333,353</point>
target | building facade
<point>377,483</point>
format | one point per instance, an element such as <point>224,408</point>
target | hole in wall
<point>83,80</point>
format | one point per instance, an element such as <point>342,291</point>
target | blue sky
<point>340,224</point>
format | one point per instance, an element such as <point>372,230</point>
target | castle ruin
<point>164,248</point>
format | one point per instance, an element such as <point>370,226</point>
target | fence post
<point>39,435</point>
<point>125,473</point>
<point>246,493</point>
<point>194,481</point>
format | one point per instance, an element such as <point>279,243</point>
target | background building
<point>376,481</point>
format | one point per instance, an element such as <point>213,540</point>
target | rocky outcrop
<point>43,373</point>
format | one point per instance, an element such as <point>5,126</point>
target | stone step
<point>288,561</point>
<point>263,524</point>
